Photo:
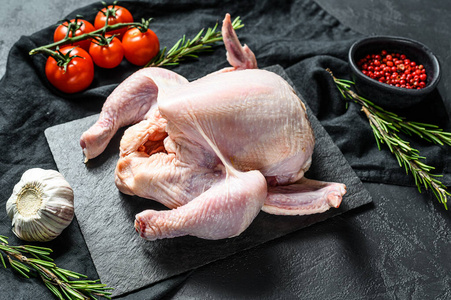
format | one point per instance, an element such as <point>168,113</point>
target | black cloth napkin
<point>298,35</point>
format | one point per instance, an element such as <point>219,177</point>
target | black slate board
<point>125,261</point>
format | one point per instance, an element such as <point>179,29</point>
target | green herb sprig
<point>34,261</point>
<point>188,47</point>
<point>386,125</point>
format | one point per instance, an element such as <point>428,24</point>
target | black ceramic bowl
<point>385,95</point>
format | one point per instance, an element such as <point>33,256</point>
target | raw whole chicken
<point>215,151</point>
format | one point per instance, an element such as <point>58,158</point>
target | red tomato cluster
<point>394,69</point>
<point>107,52</point>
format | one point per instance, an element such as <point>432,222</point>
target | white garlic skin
<point>48,219</point>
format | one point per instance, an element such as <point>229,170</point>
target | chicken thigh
<point>215,151</point>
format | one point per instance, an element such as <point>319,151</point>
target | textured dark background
<point>397,248</point>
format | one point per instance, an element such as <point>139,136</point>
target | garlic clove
<point>41,205</point>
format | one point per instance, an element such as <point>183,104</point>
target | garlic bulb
<point>41,206</point>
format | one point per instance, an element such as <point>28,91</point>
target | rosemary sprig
<point>30,260</point>
<point>188,47</point>
<point>385,126</point>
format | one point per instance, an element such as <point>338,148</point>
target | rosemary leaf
<point>73,293</point>
<point>423,125</point>
<point>71,273</point>
<point>207,34</point>
<point>16,266</point>
<point>65,293</point>
<point>38,253</point>
<point>60,275</point>
<point>10,250</point>
<point>48,250</point>
<point>197,37</point>
<point>21,265</point>
<point>398,158</point>
<point>86,286</point>
<point>42,262</point>
<point>38,249</point>
<point>53,289</point>
<point>176,46</point>
<point>3,261</point>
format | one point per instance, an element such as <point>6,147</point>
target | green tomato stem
<point>85,36</point>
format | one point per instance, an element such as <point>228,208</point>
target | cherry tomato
<point>117,14</point>
<point>76,75</point>
<point>75,27</point>
<point>140,47</point>
<point>107,55</point>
